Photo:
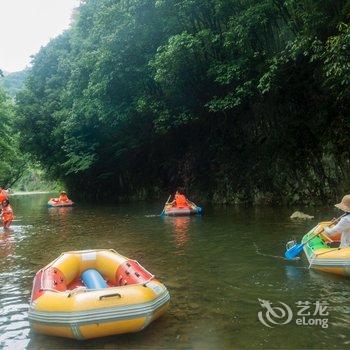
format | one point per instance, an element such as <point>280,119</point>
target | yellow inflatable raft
<point>323,253</point>
<point>95,293</point>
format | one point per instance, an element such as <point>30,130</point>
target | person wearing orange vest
<point>180,200</point>
<point>63,197</point>
<point>6,213</point>
<point>3,195</point>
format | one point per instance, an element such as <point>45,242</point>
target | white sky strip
<point>26,25</point>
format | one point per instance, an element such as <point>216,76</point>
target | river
<point>216,268</point>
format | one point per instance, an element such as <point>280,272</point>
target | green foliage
<point>13,82</point>
<point>336,59</point>
<point>237,100</point>
<point>35,179</point>
<point>12,162</point>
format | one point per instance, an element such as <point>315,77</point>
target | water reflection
<point>294,272</point>
<point>14,326</point>
<point>7,243</point>
<point>61,218</point>
<point>60,212</point>
<point>180,228</point>
<point>216,267</point>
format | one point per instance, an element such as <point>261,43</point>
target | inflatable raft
<point>182,211</point>
<point>324,254</point>
<point>54,202</point>
<point>95,293</point>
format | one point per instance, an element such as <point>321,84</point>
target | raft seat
<point>92,279</point>
<point>128,273</point>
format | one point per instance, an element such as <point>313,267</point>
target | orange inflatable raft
<point>55,202</point>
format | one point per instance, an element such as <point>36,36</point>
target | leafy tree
<point>13,82</point>
<point>236,100</point>
<point>12,162</point>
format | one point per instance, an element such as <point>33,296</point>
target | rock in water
<point>298,215</point>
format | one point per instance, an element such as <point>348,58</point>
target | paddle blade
<point>294,251</point>
<point>200,210</point>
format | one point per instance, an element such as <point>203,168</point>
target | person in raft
<point>343,226</point>
<point>6,213</point>
<point>180,201</point>
<point>62,198</point>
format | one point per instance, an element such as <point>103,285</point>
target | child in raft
<point>6,213</point>
<point>343,226</point>
<point>62,198</point>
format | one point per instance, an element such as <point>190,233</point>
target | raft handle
<point>110,296</point>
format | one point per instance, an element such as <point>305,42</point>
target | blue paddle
<point>294,251</point>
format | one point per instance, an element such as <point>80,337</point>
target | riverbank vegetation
<point>34,179</point>
<point>234,100</point>
<point>18,172</point>
<point>12,162</point>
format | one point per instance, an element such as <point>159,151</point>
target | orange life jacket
<point>180,200</point>
<point>63,198</point>
<point>3,196</point>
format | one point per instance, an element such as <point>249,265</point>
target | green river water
<point>216,268</point>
